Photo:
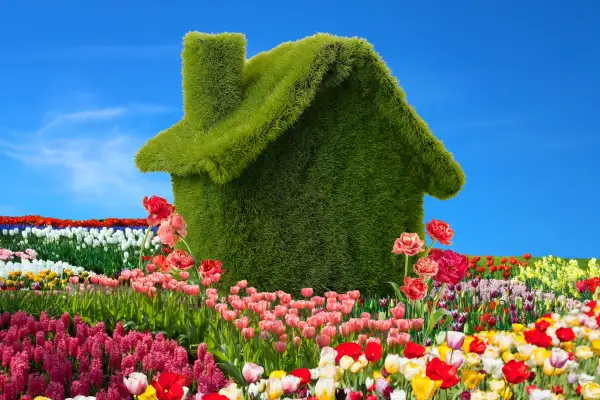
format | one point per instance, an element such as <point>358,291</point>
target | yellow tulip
<point>444,351</point>
<point>467,344</point>
<point>596,347</point>
<point>149,394</point>
<point>540,355</point>
<point>471,379</point>
<point>583,352</point>
<point>275,388</point>
<point>392,363</point>
<point>356,367</point>
<point>424,388</point>
<point>590,390</point>
<point>411,370</point>
<point>497,385</point>
<point>567,346</point>
<point>507,356</point>
<point>472,359</point>
<point>346,362</point>
<point>325,389</point>
<point>277,374</point>
<point>518,328</point>
<point>525,351</point>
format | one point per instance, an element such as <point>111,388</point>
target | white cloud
<point>89,158</point>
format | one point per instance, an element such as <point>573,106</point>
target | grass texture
<point>305,172</point>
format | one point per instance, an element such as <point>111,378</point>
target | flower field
<point>120,309</point>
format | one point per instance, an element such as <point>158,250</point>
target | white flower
<point>538,394</point>
<point>582,379</point>
<point>398,395</point>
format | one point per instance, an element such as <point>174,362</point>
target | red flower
<point>537,338</point>
<point>209,268</point>
<point>515,372</point>
<point>348,349</point>
<point>565,334</point>
<point>214,396</point>
<point>158,209</point>
<point>452,267</point>
<point>303,374</point>
<point>180,259</point>
<point>557,389</point>
<point>414,288</point>
<point>414,350</point>
<point>527,256</point>
<point>581,286</point>
<point>542,325</point>
<point>438,370</point>
<point>439,231</point>
<point>592,284</point>
<point>373,352</point>
<point>169,386</point>
<point>356,395</point>
<point>477,346</point>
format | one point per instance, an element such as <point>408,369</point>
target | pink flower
<point>248,333</point>
<point>409,244</point>
<point>167,234</point>
<point>180,259</point>
<point>307,292</point>
<point>5,255</point>
<point>399,311</point>
<point>74,280</point>
<point>184,275</point>
<point>439,231</point>
<point>243,284</point>
<point>136,383</point>
<point>290,383</point>
<point>178,224</point>
<point>558,358</point>
<point>323,340</point>
<point>454,339</point>
<point>426,267</point>
<point>452,267</point>
<point>252,372</point>
<point>280,347</point>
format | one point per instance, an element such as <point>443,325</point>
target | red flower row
<point>36,220</point>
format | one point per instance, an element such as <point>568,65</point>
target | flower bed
<point>64,357</point>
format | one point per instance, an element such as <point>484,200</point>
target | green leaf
<point>437,316</point>
<point>399,294</point>
<point>234,372</point>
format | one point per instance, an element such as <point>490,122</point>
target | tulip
<point>252,372</point>
<point>325,389</point>
<point>232,392</point>
<point>290,383</point>
<point>136,383</point>
<point>424,388</point>
<point>558,358</point>
<point>455,340</point>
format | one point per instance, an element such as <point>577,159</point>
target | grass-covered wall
<point>309,181</point>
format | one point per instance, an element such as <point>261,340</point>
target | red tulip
<point>414,350</point>
<point>373,352</point>
<point>565,334</point>
<point>348,349</point>
<point>515,372</point>
<point>477,346</point>
<point>438,370</point>
<point>538,338</point>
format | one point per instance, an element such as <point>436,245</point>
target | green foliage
<point>321,204</point>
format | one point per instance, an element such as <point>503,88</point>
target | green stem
<point>143,247</point>
<point>429,248</point>
<point>406,265</point>
<point>196,273</point>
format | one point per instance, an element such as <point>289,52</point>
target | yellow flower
<point>467,343</point>
<point>567,346</point>
<point>232,392</point>
<point>392,363</point>
<point>324,389</point>
<point>496,385</point>
<point>507,356</point>
<point>411,370</point>
<point>540,355</point>
<point>583,352</point>
<point>277,374</point>
<point>357,367</point>
<point>590,390</point>
<point>424,388</point>
<point>507,394</point>
<point>443,351</point>
<point>471,379</point>
<point>518,328</point>
<point>479,395</point>
<point>525,351</point>
<point>275,388</point>
<point>596,347</point>
<point>149,394</point>
<point>473,359</point>
<point>346,362</point>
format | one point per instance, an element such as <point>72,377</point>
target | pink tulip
<point>290,383</point>
<point>74,280</point>
<point>252,372</point>
<point>234,289</point>
<point>323,341</point>
<point>215,278</point>
<point>558,358</point>
<point>417,324</point>
<point>248,333</point>
<point>211,302</point>
<point>403,324</point>
<point>136,383</point>
<point>403,339</point>
<point>454,339</point>
<point>399,311</point>
<point>307,292</point>
<point>296,341</point>
<point>243,284</point>
<point>308,332</point>
<point>184,275</point>
<point>206,282</point>
<point>280,347</point>
<point>151,268</point>
<point>241,323</point>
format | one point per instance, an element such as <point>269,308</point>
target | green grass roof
<point>277,86</point>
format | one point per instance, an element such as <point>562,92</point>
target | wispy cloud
<point>92,156</point>
<point>99,53</point>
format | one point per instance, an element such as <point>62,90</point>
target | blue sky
<point>512,89</point>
